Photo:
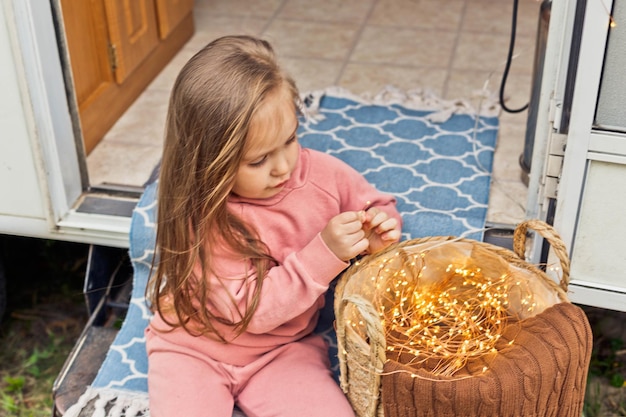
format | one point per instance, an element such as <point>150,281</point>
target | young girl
<point>251,231</point>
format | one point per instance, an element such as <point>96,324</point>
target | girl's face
<point>272,149</point>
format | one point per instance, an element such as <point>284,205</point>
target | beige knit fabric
<point>542,373</point>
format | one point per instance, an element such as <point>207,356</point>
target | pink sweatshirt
<point>290,223</point>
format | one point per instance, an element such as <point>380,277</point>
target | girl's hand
<point>344,235</point>
<point>380,229</point>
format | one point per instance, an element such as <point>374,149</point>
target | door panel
<point>598,250</point>
<point>87,39</point>
<point>133,33</point>
<point>90,63</point>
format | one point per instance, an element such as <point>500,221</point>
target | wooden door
<point>115,50</point>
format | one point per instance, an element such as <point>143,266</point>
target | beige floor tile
<point>265,8</point>
<point>210,26</point>
<point>371,78</point>
<point>313,74</point>
<point>488,52</point>
<point>338,11</point>
<point>513,118</point>
<point>510,146</point>
<point>517,91</point>
<point>472,85</point>
<point>122,163</point>
<point>523,59</point>
<point>507,202</point>
<point>143,123</point>
<point>400,46</point>
<point>305,39</point>
<point>494,17</point>
<point>434,14</point>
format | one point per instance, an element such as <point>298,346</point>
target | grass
<point>45,314</point>
<point>28,376</point>
<point>606,387</point>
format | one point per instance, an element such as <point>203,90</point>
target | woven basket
<point>362,356</point>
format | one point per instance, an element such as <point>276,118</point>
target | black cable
<point>509,58</point>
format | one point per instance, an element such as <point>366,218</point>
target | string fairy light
<point>438,314</point>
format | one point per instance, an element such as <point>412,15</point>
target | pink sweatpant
<point>292,380</point>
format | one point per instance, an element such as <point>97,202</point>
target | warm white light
<point>443,324</point>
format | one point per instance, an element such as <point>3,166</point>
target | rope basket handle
<point>376,342</point>
<point>552,236</point>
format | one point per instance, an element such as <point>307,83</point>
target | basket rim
<point>506,254</point>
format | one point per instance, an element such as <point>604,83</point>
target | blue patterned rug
<point>434,156</point>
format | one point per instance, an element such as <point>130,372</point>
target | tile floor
<point>450,47</point>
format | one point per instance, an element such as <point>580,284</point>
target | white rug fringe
<point>415,99</point>
<point>119,404</point>
<point>110,403</point>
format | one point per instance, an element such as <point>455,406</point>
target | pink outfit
<point>276,366</point>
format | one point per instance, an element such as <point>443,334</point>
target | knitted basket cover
<point>542,373</point>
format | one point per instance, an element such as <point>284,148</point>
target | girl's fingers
<point>380,221</point>
<point>391,235</point>
<point>348,217</point>
<point>388,225</point>
<point>361,246</point>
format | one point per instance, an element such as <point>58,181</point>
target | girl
<point>251,231</point>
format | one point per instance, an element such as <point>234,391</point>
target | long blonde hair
<point>211,107</point>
